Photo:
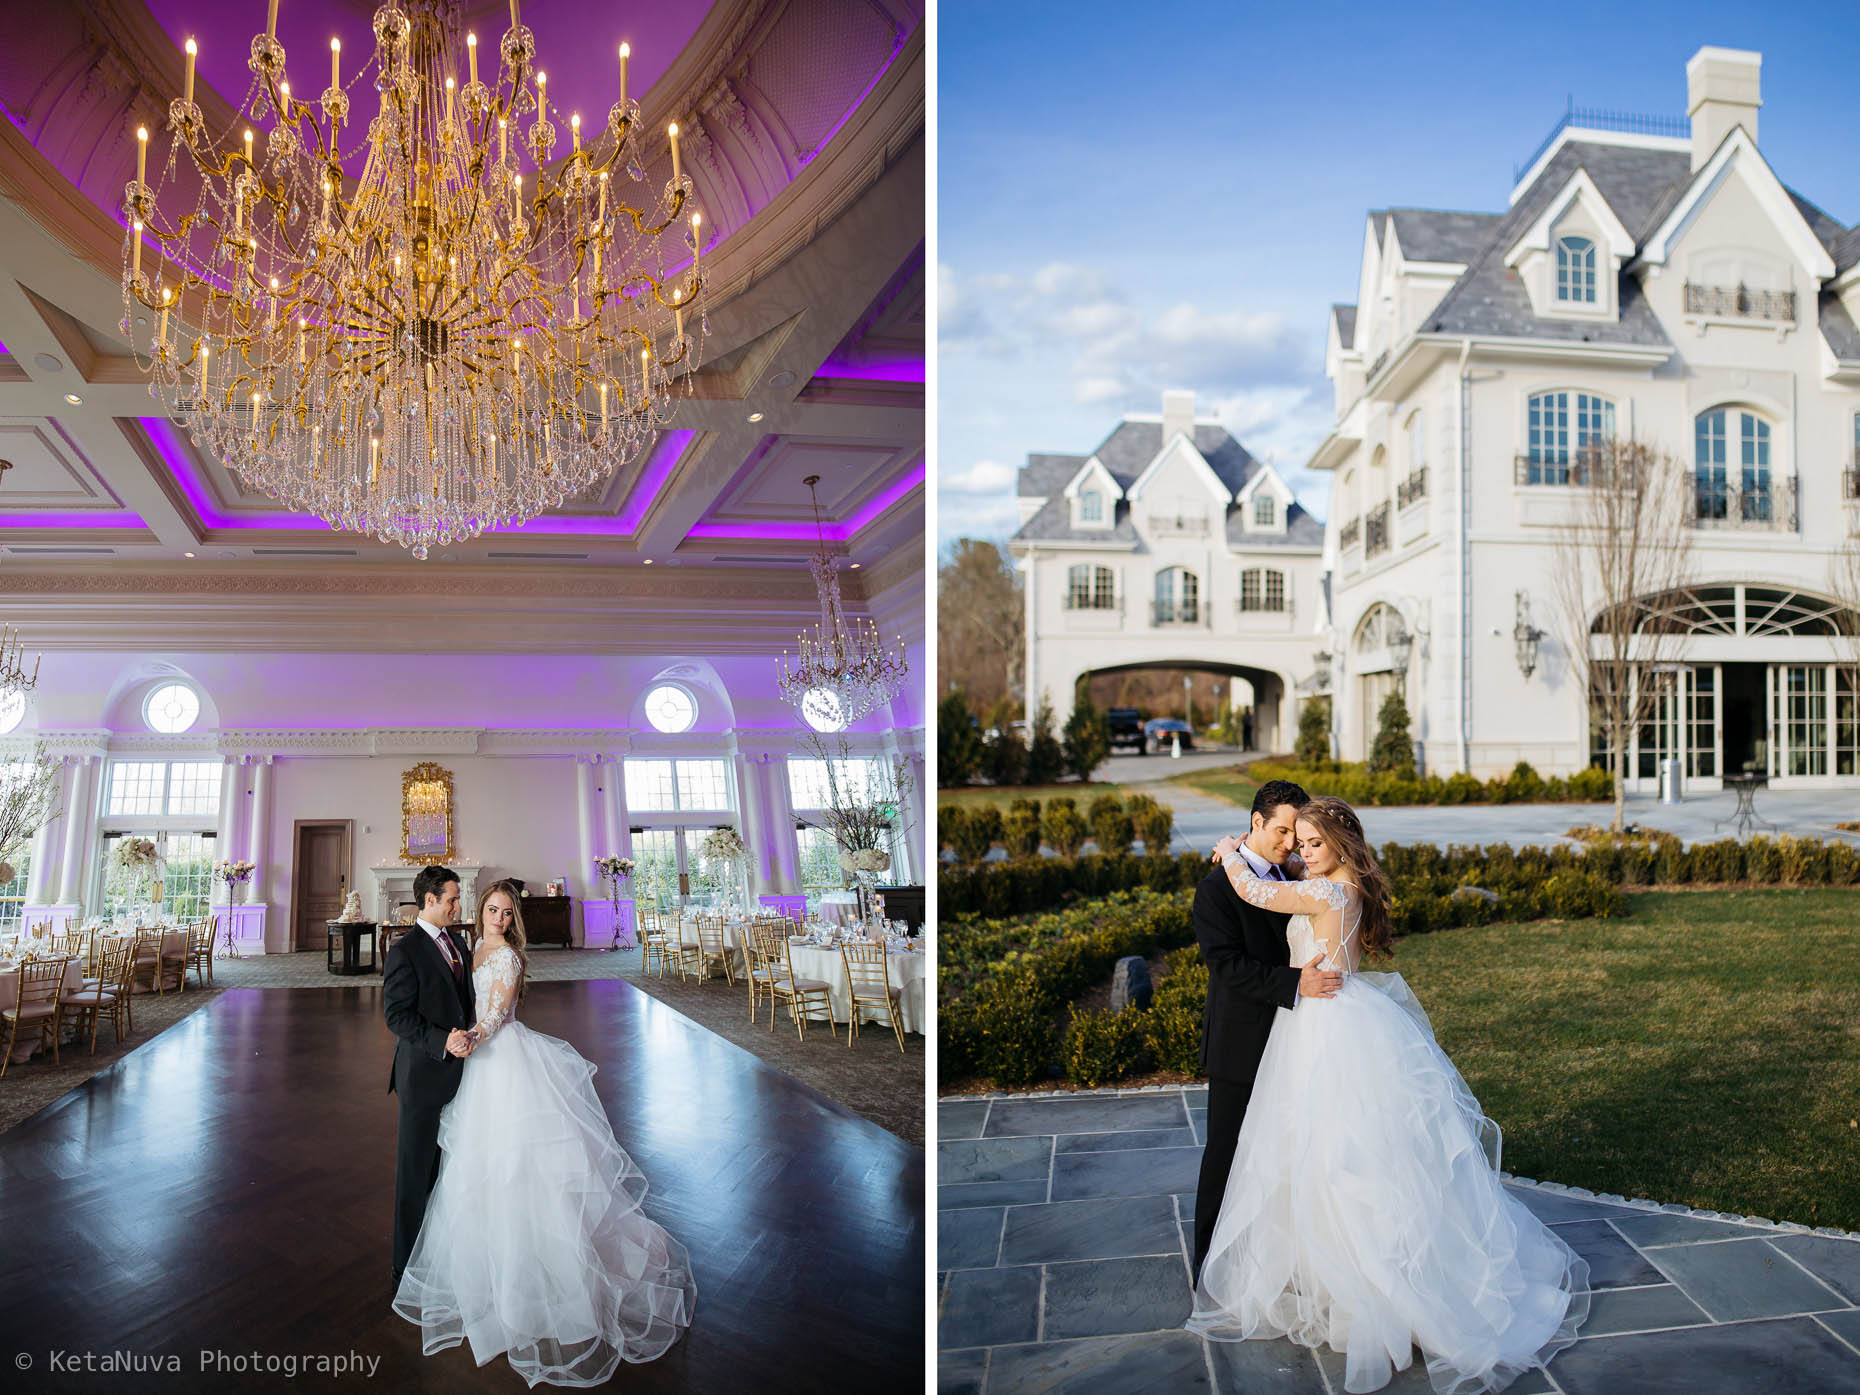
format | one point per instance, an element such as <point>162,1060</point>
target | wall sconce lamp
<point>1525,637</point>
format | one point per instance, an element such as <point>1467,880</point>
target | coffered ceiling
<point>805,122</point>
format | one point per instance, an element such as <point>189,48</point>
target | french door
<point>1682,723</point>
<point>1803,740</point>
<point>672,870</point>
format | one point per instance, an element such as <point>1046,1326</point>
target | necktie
<point>452,957</point>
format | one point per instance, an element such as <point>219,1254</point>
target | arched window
<point>671,708</point>
<point>1575,271</point>
<point>1417,442</point>
<point>1265,510</point>
<point>1091,507</point>
<point>1564,430</point>
<point>1731,467</point>
<point>171,709</point>
<point>1178,597</point>
<point>1262,588</point>
<point>1090,587</point>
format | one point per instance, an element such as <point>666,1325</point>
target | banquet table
<point>172,942</point>
<point>733,932</point>
<point>904,969</point>
<point>840,907</point>
<point>29,1036</point>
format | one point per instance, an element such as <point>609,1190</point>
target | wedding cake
<point>352,909</point>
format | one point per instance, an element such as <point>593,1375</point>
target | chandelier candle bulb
<point>135,269</point>
<point>674,135</point>
<point>503,142</point>
<point>271,20</point>
<point>513,14</point>
<point>162,337</point>
<point>697,240</point>
<point>471,56</point>
<point>448,99</point>
<point>335,73</point>
<point>574,125</point>
<point>142,154</point>
<point>626,52</point>
<point>600,218</point>
<point>192,51</point>
<point>204,352</point>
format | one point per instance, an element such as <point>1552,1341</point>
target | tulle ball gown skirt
<point>1364,1209</point>
<point>534,1244</point>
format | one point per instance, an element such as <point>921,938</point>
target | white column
<point>224,827</point>
<point>778,801</point>
<point>78,830</point>
<point>915,831</point>
<point>260,849</point>
<point>752,814</point>
<point>1031,647</point>
<point>584,812</point>
<point>619,832</point>
<point>41,878</point>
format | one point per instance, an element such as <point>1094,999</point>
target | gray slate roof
<point>1346,324</point>
<point>1838,328</point>
<point>1436,235</point>
<point>1847,250</point>
<point>1126,453</point>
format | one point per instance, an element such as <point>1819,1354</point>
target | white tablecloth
<point>29,1037</point>
<point>173,942</point>
<point>840,908</point>
<point>733,931</point>
<point>905,971</point>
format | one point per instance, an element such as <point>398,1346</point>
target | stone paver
<point>1076,1279</point>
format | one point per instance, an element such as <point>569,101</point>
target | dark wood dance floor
<point>227,1188</point>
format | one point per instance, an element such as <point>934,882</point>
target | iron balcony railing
<point>1262,605</point>
<point>1595,119</point>
<point>1740,302</point>
<point>1376,531</point>
<point>1578,468</point>
<point>1080,601</point>
<point>1376,366</point>
<point>1351,533</point>
<point>1751,503</point>
<point>1412,488</point>
<point>1850,484</point>
<point>1176,613</point>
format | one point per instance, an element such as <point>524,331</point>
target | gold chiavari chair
<point>87,1005</point>
<point>801,995</point>
<point>148,957</point>
<point>40,983</point>
<point>174,957</point>
<point>869,983</point>
<point>763,964</point>
<point>712,947</point>
<point>200,948</point>
<point>678,952</point>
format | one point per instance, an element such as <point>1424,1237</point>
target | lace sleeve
<point>503,995</point>
<point>1313,897</point>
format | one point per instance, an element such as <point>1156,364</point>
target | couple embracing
<point>517,1220</point>
<point>1349,1193</point>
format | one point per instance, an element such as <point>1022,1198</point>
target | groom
<point>426,991</point>
<point>1250,978</point>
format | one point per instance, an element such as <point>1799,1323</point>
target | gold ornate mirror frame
<point>426,814</point>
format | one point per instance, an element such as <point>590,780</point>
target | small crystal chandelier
<point>448,344</point>
<point>13,676</point>
<point>843,670</point>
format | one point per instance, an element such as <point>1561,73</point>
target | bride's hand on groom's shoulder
<point>1294,868</point>
<point>1222,848</point>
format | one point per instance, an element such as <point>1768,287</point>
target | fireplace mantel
<point>394,884</point>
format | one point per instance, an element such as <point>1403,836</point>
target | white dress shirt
<point>444,941</point>
<point>1265,870</point>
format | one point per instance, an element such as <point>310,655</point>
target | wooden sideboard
<point>546,920</point>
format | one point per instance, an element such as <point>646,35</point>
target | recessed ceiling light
<point>48,363</point>
<point>649,561</point>
<point>755,416</point>
<point>857,565</point>
<point>74,399</point>
<point>187,554</point>
<point>781,379</point>
<point>229,555</point>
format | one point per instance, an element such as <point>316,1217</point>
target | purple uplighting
<point>804,532</point>
<point>71,520</point>
<point>899,368</point>
<point>180,463</point>
<point>651,480</point>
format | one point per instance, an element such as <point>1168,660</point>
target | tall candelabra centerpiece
<point>864,800</point>
<point>233,873</point>
<point>726,847</point>
<point>455,339</point>
<point>615,870</point>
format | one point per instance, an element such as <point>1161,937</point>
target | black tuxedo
<point>1250,978</point>
<point>424,1001</point>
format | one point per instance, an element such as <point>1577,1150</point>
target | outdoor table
<point>1745,817</point>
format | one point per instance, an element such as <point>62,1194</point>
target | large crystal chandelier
<point>455,340</point>
<point>14,680</point>
<point>843,671</point>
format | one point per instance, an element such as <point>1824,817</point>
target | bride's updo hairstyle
<point>1338,823</point>
<point>514,936</point>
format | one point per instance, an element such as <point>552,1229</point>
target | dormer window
<point>1265,510</point>
<point>1091,507</point>
<point>1575,271</point>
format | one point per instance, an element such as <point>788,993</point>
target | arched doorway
<point>1270,721</point>
<point>1374,665</point>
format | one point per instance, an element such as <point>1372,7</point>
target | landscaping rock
<point>1130,983</point>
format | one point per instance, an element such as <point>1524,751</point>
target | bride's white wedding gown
<point>1364,1209</point>
<point>534,1243</point>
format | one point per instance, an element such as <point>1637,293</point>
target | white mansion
<point>1666,286</point>
<point>1169,546</point>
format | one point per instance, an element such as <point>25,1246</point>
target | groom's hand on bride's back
<point>1315,982</point>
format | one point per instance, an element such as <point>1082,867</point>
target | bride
<point>1363,1209</point>
<point>534,1242</point>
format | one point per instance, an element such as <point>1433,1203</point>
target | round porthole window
<point>171,709</point>
<point>12,711</point>
<point>670,709</point>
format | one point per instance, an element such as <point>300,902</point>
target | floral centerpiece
<point>232,873</point>
<point>726,845</point>
<point>861,815</point>
<point>615,870</point>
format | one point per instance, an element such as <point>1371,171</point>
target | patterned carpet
<point>873,1079</point>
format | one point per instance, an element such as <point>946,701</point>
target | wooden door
<point>319,881</point>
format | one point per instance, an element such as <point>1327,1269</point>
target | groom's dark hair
<point>431,881</point>
<point>1276,792</point>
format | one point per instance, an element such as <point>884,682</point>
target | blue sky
<point>1139,197</point>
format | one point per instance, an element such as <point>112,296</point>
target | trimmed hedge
<point>1359,785</point>
<point>1102,1046</point>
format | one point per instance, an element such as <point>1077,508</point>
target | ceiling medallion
<point>843,670</point>
<point>453,342</point>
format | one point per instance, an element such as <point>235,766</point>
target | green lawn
<point>1002,796</point>
<point>1228,782</point>
<point>1704,1051</point>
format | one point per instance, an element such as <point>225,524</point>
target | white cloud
<point>983,477</point>
<point>1092,391</point>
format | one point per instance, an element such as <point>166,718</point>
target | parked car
<point>1161,732</point>
<point>1126,728</point>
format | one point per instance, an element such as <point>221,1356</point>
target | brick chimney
<point>1724,88</point>
<point>1178,416</point>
